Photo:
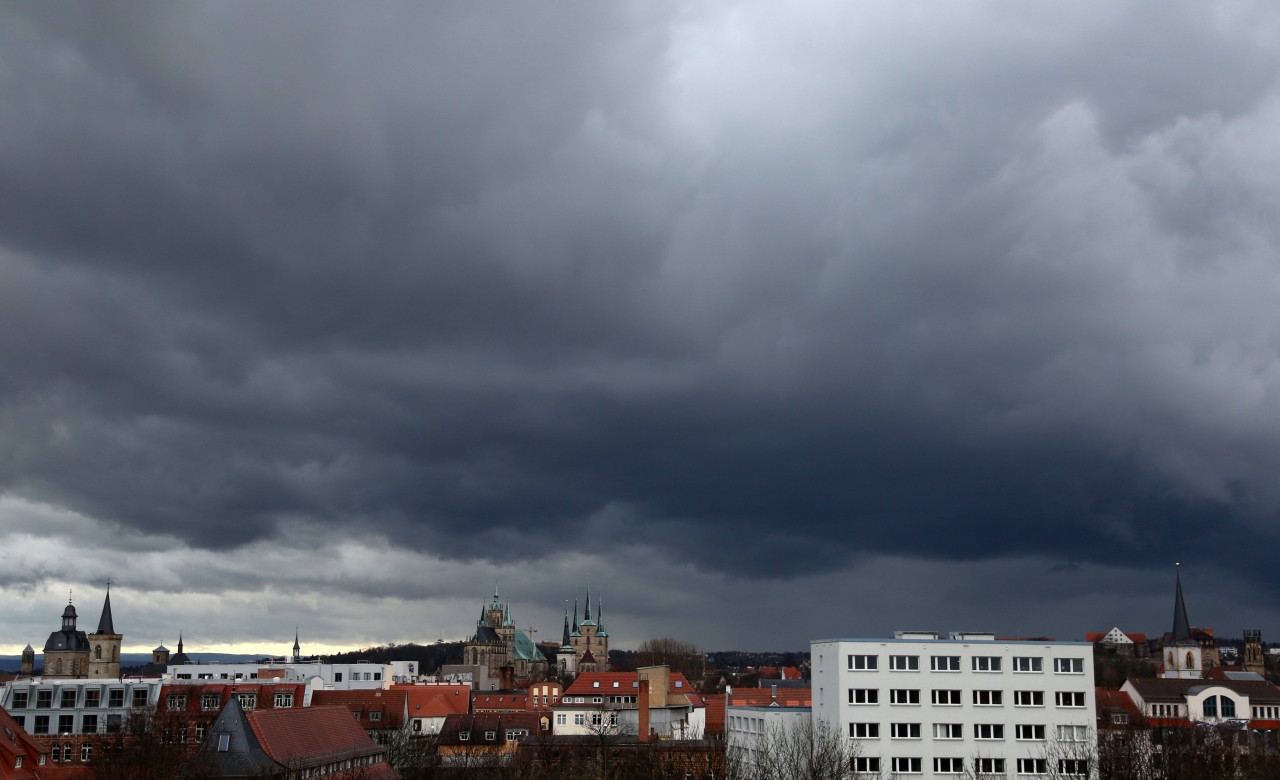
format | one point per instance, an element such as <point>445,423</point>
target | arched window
<point>1191,660</point>
<point>97,652</point>
<point>1170,659</point>
<point>57,666</point>
<point>115,654</point>
<point>1228,707</point>
<point>1211,707</point>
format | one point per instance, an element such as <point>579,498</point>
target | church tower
<point>28,667</point>
<point>566,659</point>
<point>1183,658</point>
<point>297,648</point>
<point>1254,660</point>
<point>66,652</point>
<point>104,658</point>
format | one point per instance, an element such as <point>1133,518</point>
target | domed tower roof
<point>68,638</point>
<point>69,612</point>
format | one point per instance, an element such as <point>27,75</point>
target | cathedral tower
<point>1183,658</point>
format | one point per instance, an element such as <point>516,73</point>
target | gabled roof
<point>232,749</point>
<point>585,685</point>
<point>499,701</point>
<point>312,736</point>
<point>436,701</point>
<point>264,691</point>
<point>15,742</point>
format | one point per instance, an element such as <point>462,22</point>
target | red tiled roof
<point>499,701</point>
<point>265,691</point>
<point>585,684</point>
<point>436,701</point>
<point>310,735</point>
<point>763,697</point>
<point>390,705</point>
<point>791,673</point>
<point>715,713</point>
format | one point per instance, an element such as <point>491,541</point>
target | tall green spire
<point>576,632</point>
<point>564,641</point>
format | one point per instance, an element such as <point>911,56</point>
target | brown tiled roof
<point>499,701</point>
<point>585,684</point>
<point>265,691</point>
<point>763,697</point>
<point>310,735</point>
<point>436,701</point>
<point>479,724</point>
<point>1164,689</point>
<point>389,705</point>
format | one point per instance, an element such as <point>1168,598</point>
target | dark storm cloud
<point>947,283</point>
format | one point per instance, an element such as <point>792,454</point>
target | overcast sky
<point>768,321</point>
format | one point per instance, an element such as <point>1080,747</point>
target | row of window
<point>951,663</point>
<point>952,697</point>
<point>904,765</point>
<point>581,718</point>
<point>981,731</point>
<point>211,702</point>
<point>68,698</point>
<point>89,724</point>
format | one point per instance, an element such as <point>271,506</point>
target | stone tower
<point>589,639</point>
<point>160,657</point>
<point>104,659</point>
<point>28,667</point>
<point>1254,660</point>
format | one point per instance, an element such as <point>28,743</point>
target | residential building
<point>67,716</point>
<point>611,703</point>
<point>380,713</point>
<point>361,675</point>
<point>429,704</point>
<point>290,743</point>
<point>751,731</point>
<point>919,703</point>
<point>187,709</point>
<point>1133,645</point>
<point>483,739</point>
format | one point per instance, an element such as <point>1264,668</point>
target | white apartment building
<point>967,704</point>
<point>361,675</point>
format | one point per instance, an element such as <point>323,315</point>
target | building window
<point>904,663</point>
<point>1119,718</point>
<point>89,724</point>
<point>115,697</point>
<point>561,719</point>
<point>944,697</point>
<point>986,663</point>
<point>1033,766</point>
<point>20,699</point>
<point>92,698</point>
<point>86,752</point>
<point>249,701</point>
<point>907,766</point>
<point>1028,664</point>
<point>1028,698</point>
<point>44,700</point>
<point>488,736</point>
<point>1029,732</point>
<point>948,731</point>
<point>42,725</point>
<point>1069,698</point>
<point>375,716</point>
<point>904,730</point>
<point>176,702</point>
<point>579,719</point>
<point>140,696</point>
<point>988,698</point>
<point>864,696</point>
<point>991,766</point>
<point>200,729</point>
<point>464,736</point>
<point>337,677</point>
<point>904,696</point>
<point>68,698</point>
<point>283,700</point>
<point>208,702</point>
<point>66,724</point>
<point>66,751</point>
<point>988,731</point>
<point>863,663</point>
<point>864,730</point>
<point>1073,733</point>
<point>945,663</point>
<point>1073,767</point>
<point>597,700</point>
<point>224,743</point>
<point>948,766</point>
<point>1068,665</point>
<point>868,764</point>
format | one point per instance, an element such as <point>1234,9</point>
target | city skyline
<point>766,323</point>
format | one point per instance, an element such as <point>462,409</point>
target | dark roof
<point>243,756</point>
<point>479,724</point>
<point>1167,689</point>
<point>486,634</point>
<point>105,626</point>
<point>60,641</point>
<point>1181,627</point>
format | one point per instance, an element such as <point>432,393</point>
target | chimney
<point>642,732</point>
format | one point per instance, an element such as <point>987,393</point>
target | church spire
<point>576,632</point>
<point>586,613</point>
<point>105,624</point>
<point>1181,627</point>
<point>564,641</point>
<point>297,649</point>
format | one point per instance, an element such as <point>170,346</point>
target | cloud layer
<point>761,298</point>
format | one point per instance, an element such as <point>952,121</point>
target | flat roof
<point>978,642</point>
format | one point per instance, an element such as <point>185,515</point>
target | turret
<point>28,667</point>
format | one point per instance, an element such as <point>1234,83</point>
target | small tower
<point>28,667</point>
<point>179,658</point>
<point>1254,660</point>
<point>104,658</point>
<point>66,652</point>
<point>297,648</point>
<point>160,657</point>
<point>1183,657</point>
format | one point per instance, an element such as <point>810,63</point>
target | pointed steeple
<point>576,632</point>
<point>295,639</point>
<point>506,615</point>
<point>600,631</point>
<point>105,625</point>
<point>586,613</point>
<point>564,641</point>
<point>297,649</point>
<point>1181,626</point>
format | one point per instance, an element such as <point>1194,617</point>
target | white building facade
<point>335,677</point>
<point>968,704</point>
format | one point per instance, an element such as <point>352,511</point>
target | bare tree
<point>683,657</point>
<point>798,751</point>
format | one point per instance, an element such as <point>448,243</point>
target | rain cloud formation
<point>861,316</point>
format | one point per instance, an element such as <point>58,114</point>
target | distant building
<point>497,645</point>
<point>428,705</point>
<point>1132,645</point>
